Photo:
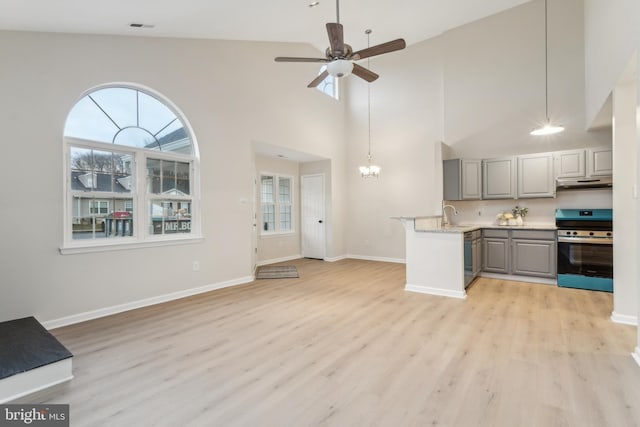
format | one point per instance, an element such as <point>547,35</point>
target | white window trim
<point>140,239</point>
<point>277,232</point>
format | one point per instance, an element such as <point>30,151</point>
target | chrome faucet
<point>445,219</point>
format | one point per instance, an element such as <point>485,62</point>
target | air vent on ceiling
<point>140,25</point>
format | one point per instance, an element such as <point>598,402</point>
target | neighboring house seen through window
<point>131,170</point>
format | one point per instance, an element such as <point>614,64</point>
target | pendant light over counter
<point>547,128</point>
<point>370,170</point>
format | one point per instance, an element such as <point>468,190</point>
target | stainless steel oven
<point>585,248</point>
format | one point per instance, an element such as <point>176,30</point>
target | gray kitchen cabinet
<point>599,162</point>
<point>462,179</point>
<point>495,251</point>
<point>535,176</point>
<point>520,252</point>
<point>499,178</point>
<point>570,164</point>
<point>533,258</point>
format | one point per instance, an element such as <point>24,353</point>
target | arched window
<point>131,171</point>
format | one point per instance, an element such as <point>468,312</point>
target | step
<point>31,359</point>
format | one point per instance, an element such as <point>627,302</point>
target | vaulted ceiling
<point>266,20</point>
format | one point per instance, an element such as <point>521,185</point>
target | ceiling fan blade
<point>315,82</point>
<point>364,73</point>
<point>379,49</point>
<point>336,38</point>
<point>295,59</point>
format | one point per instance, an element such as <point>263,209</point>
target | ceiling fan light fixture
<point>340,67</point>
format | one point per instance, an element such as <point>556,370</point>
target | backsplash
<point>541,211</point>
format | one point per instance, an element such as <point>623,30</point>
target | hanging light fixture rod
<point>548,128</point>
<point>370,170</point>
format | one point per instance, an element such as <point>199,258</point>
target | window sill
<point>275,235</point>
<point>129,244</point>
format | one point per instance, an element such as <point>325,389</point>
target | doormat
<point>277,272</point>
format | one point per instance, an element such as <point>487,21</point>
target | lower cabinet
<point>495,251</point>
<point>520,252</point>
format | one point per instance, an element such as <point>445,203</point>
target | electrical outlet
<point>196,266</point>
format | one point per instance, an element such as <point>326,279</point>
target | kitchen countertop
<point>463,228</point>
<point>431,224</point>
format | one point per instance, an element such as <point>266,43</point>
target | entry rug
<point>277,272</point>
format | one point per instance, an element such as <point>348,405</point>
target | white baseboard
<point>22,384</point>
<point>624,319</point>
<point>107,311</point>
<point>636,355</point>
<point>435,291</point>
<point>515,278</point>
<point>377,258</point>
<point>276,260</point>
<point>336,258</point>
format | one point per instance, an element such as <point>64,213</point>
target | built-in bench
<point>31,359</point>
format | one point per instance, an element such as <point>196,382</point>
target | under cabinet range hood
<point>577,183</point>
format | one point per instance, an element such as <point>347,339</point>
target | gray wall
<point>478,88</point>
<point>231,92</point>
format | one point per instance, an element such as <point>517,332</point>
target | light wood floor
<point>346,345</point>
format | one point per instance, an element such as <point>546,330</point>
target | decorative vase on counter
<point>519,220</point>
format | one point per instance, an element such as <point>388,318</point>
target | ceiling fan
<point>340,57</point>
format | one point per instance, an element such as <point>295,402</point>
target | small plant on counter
<point>519,212</point>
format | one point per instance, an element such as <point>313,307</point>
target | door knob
<point>319,221</point>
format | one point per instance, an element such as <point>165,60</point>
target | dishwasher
<point>471,256</point>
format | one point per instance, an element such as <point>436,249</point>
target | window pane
<point>284,190</point>
<point>106,171</point>
<point>87,121</point>
<point>119,104</point>
<point>154,176</point>
<point>182,178</point>
<point>268,217</point>
<point>266,189</point>
<point>168,177</point>
<point>99,218</point>
<point>285,217</point>
<point>128,117</point>
<point>135,137</point>
<point>168,216</point>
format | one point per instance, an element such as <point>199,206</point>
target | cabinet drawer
<point>534,234</point>
<point>492,232</point>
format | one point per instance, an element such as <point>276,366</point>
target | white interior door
<point>312,216</point>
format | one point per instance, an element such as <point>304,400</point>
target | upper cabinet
<point>592,162</point>
<point>599,162</point>
<point>499,178</point>
<point>462,179</point>
<point>535,176</point>
<point>569,164</point>
<point>526,176</point>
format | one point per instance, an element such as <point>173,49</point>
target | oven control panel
<point>585,233</point>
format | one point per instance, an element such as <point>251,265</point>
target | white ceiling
<point>265,20</point>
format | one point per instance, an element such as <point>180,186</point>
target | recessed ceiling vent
<point>140,25</point>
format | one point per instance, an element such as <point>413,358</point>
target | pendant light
<point>370,170</point>
<point>547,128</point>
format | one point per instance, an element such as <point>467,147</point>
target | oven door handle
<point>589,240</point>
